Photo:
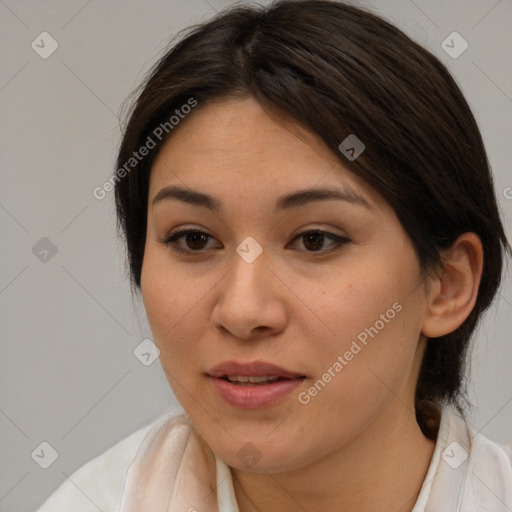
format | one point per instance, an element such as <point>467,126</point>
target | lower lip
<point>256,396</point>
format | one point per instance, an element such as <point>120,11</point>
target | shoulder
<point>490,478</point>
<point>468,471</point>
<point>99,484</point>
<point>486,450</point>
<point>484,468</point>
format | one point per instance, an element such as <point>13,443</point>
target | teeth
<point>253,380</point>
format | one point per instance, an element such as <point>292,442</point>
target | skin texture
<point>356,444</point>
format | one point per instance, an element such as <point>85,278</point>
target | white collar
<point>174,470</point>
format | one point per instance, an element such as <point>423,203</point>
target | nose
<point>251,300</point>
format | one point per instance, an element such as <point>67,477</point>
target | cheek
<point>170,300</point>
<point>356,381</point>
<point>365,292</point>
<point>172,303</point>
<point>374,317</point>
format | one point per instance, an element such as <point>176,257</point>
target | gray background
<point>69,328</point>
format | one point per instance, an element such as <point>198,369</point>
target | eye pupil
<point>196,238</point>
<point>317,240</point>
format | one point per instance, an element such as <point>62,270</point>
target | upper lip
<point>252,369</point>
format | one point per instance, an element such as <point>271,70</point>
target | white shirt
<point>467,472</point>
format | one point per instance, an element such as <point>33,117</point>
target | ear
<point>454,291</point>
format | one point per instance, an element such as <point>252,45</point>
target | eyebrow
<point>293,200</point>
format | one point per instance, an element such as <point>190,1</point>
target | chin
<point>258,455</point>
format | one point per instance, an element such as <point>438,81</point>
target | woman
<point>310,219</point>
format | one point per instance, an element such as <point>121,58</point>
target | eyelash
<point>339,241</point>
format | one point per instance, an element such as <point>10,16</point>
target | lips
<point>256,395</point>
<point>253,369</point>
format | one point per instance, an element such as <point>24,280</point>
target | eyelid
<point>176,235</point>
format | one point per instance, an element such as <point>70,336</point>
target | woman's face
<point>341,308</point>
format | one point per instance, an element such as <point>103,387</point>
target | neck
<point>382,468</point>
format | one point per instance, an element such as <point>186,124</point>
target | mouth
<point>255,372</point>
<point>254,385</point>
<point>246,380</point>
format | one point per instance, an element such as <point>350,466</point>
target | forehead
<point>235,146</point>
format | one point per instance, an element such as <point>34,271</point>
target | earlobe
<point>454,291</point>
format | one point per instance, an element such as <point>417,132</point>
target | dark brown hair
<point>337,70</point>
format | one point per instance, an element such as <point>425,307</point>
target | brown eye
<point>195,240</point>
<point>314,240</point>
